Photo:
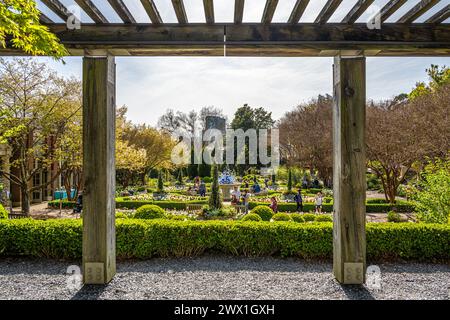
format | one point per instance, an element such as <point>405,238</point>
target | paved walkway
<point>221,277</point>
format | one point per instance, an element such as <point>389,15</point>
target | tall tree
<point>36,106</point>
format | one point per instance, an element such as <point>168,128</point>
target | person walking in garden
<point>318,200</point>
<point>274,204</point>
<point>202,189</point>
<point>299,200</point>
<point>245,198</point>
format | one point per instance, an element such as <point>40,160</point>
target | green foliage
<point>297,217</point>
<point>264,212</point>
<point>281,217</point>
<point>160,182</point>
<point>3,212</point>
<point>143,239</point>
<point>289,182</point>
<point>121,215</point>
<point>438,78</point>
<point>308,217</point>
<point>251,217</point>
<point>394,216</point>
<point>432,194</point>
<point>324,218</point>
<point>149,211</point>
<point>19,20</point>
<point>215,201</point>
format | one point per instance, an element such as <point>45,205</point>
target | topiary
<point>121,215</point>
<point>251,217</point>
<point>264,212</point>
<point>309,217</point>
<point>281,217</point>
<point>324,218</point>
<point>215,199</point>
<point>149,211</point>
<point>297,217</point>
<point>3,212</point>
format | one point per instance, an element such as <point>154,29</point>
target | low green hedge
<point>121,203</point>
<point>328,207</point>
<point>3,212</point>
<point>149,238</point>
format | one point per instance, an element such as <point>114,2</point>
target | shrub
<point>149,211</point>
<point>3,212</point>
<point>251,217</point>
<point>178,217</point>
<point>215,201</point>
<point>324,218</point>
<point>207,179</point>
<point>142,239</point>
<point>160,182</point>
<point>281,217</point>
<point>309,217</point>
<point>394,216</point>
<point>121,215</point>
<point>264,212</point>
<point>297,217</point>
<point>432,195</point>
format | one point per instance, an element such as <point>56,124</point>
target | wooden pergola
<point>347,41</point>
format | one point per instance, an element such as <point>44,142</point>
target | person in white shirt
<point>318,200</point>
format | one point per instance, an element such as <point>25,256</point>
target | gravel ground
<point>221,277</point>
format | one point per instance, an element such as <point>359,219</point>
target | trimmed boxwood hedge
<point>282,206</point>
<point>328,207</point>
<point>149,238</point>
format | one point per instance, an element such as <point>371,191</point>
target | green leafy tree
<point>432,194</point>
<point>19,22</point>
<point>215,201</point>
<point>160,182</point>
<point>438,77</point>
<point>37,108</point>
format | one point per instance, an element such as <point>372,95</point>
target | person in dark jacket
<point>299,200</point>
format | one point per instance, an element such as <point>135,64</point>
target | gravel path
<point>221,277</point>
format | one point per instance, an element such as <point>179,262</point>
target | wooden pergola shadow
<point>348,42</point>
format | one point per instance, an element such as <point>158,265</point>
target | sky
<point>151,85</point>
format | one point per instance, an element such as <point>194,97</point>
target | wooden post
<point>349,170</point>
<point>99,106</point>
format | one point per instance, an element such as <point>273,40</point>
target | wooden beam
<point>180,12</point>
<point>358,9</point>
<point>44,19</point>
<point>122,11</point>
<point>92,11</point>
<point>58,8</point>
<point>238,11</point>
<point>208,5</point>
<point>304,39</point>
<point>440,16</point>
<point>418,10</point>
<point>152,11</point>
<point>269,10</point>
<point>298,10</point>
<point>390,8</point>
<point>327,11</point>
<point>99,238</point>
<point>349,170</point>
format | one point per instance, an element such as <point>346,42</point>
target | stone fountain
<point>227,184</point>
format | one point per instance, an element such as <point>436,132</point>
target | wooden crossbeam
<point>390,8</point>
<point>440,16</point>
<point>208,5</point>
<point>152,11</point>
<point>358,9</point>
<point>238,11</point>
<point>269,10</point>
<point>298,10</point>
<point>58,8</point>
<point>122,11</point>
<point>418,10</point>
<point>92,11</point>
<point>180,12</point>
<point>327,11</point>
<point>44,19</point>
